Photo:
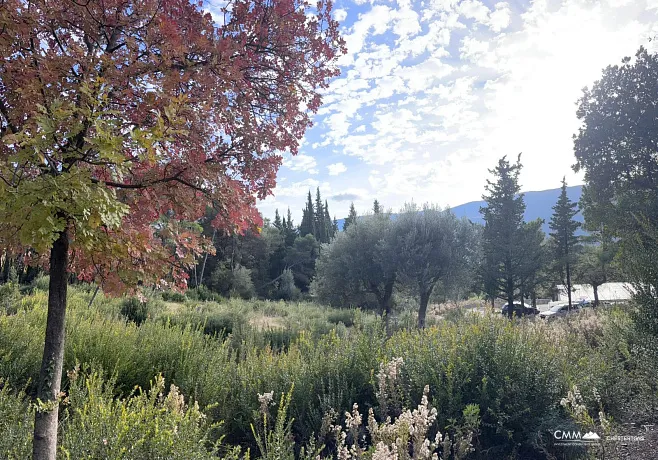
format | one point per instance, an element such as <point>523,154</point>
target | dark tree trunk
<point>510,298</point>
<point>205,259</point>
<point>386,303</point>
<point>44,446</point>
<point>569,284</point>
<point>422,311</point>
<point>596,294</point>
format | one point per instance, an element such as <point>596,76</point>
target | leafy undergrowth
<point>514,372</point>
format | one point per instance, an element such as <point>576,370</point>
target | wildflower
<point>265,400</point>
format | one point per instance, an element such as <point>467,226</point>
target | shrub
<point>513,372</point>
<point>16,424</point>
<point>135,310</point>
<point>147,424</point>
<point>203,294</point>
<point>345,316</point>
<point>173,296</point>
<point>286,288</point>
<point>234,282</point>
<point>10,298</point>
<point>41,282</point>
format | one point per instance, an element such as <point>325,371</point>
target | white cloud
<point>336,169</point>
<point>301,162</point>
<point>340,14</point>
<point>434,92</point>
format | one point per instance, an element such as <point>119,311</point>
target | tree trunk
<point>569,284</point>
<point>510,297</point>
<point>422,311</point>
<point>386,304</point>
<point>44,445</point>
<point>205,258</point>
<point>596,294</point>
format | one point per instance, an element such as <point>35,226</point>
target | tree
<point>564,241</point>
<point>307,227</point>
<point>616,148</point>
<point>300,258</point>
<point>328,224</point>
<point>289,232</point>
<point>376,208</point>
<point>503,231</point>
<point>432,245</point>
<point>359,267</point>
<point>320,232</point>
<point>277,220</point>
<point>351,218</point>
<point>114,113</point>
<point>595,267</point>
<point>532,256</point>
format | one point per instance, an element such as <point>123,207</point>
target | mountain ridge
<point>539,205</point>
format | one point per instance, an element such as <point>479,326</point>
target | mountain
<point>538,205</point>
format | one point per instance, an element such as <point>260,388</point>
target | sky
<point>432,93</point>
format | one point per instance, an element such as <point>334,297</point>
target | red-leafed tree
<point>123,119</point>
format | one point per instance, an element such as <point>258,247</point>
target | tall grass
<point>515,371</point>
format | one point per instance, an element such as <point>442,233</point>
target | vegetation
<point>563,237</point>
<point>495,384</point>
<point>139,138</point>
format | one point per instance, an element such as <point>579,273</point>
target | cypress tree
<point>308,218</point>
<point>563,235</point>
<point>290,233</point>
<point>320,229</point>
<point>326,222</point>
<point>376,208</point>
<point>351,217</point>
<point>277,220</point>
<point>503,231</point>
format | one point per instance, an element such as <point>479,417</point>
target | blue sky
<point>433,92</point>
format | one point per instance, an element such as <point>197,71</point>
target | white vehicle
<point>557,311</point>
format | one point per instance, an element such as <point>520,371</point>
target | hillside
<point>538,205</point>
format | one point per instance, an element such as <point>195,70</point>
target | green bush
<point>203,294</point>
<point>41,282</point>
<point>16,424</point>
<point>148,424</point>
<point>345,316</point>
<point>513,373</point>
<point>173,296</point>
<point>286,288</point>
<point>10,298</point>
<point>234,282</point>
<point>135,310</point>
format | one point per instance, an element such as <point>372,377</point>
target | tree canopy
<point>115,113</point>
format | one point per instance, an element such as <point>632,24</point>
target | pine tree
<point>503,231</point>
<point>351,217</point>
<point>334,226</point>
<point>563,235</point>
<point>277,220</point>
<point>376,208</point>
<point>308,218</point>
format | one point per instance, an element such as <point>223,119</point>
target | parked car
<point>557,311</point>
<point>520,309</point>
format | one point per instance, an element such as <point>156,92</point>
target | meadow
<point>198,376</point>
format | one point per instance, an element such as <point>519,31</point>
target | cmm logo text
<point>576,436</point>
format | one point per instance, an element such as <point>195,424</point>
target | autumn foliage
<point>123,120</point>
